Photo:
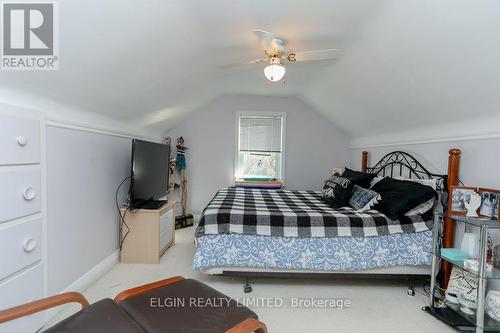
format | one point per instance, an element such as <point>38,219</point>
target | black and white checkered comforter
<point>296,214</point>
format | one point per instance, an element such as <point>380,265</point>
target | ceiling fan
<point>277,55</point>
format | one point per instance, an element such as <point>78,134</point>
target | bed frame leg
<point>247,288</point>
<point>411,289</point>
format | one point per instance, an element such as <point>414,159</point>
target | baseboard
<point>86,280</point>
<point>196,219</point>
<point>95,273</point>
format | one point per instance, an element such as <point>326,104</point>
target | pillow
<point>363,199</point>
<point>375,180</point>
<point>426,206</point>
<point>337,191</point>
<point>429,182</point>
<point>422,208</point>
<point>359,178</point>
<point>400,196</point>
<point>337,171</point>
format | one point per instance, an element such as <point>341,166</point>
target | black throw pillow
<point>337,191</point>
<point>400,196</point>
<point>359,178</point>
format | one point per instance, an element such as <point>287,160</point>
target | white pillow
<point>375,181</point>
<point>422,208</point>
<point>337,171</point>
<point>429,182</point>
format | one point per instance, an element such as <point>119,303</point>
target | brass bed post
<point>448,232</point>
<point>364,161</point>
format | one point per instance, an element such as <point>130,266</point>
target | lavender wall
<point>83,172</point>
<point>313,145</point>
<point>479,162</point>
<point>479,166</point>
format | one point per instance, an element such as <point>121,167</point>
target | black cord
<point>425,291</point>
<point>122,216</point>
<point>121,227</point>
<point>131,207</point>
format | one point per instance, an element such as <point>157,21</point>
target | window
<point>260,146</point>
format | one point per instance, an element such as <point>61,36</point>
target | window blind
<point>260,134</point>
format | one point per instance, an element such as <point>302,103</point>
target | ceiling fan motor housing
<point>277,48</point>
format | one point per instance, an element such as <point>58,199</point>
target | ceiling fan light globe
<point>274,72</point>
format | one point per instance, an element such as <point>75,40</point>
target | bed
<point>263,231</point>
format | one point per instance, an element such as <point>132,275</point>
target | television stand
<point>151,233</point>
<point>150,204</point>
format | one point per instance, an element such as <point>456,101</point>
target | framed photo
<point>459,196</point>
<point>490,203</point>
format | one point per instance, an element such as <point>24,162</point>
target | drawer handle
<point>29,193</point>
<point>21,140</point>
<point>29,245</point>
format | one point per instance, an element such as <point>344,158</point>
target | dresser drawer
<point>166,238</point>
<point>19,140</point>
<point>19,192</point>
<point>167,221</point>
<point>20,245</point>
<point>23,288</point>
<point>166,228</point>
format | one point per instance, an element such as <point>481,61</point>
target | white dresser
<point>21,266</point>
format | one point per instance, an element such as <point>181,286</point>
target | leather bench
<point>172,305</point>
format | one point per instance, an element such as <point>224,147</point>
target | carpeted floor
<point>375,305</point>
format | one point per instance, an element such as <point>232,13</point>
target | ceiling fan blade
<point>256,61</point>
<point>265,38</point>
<point>314,55</point>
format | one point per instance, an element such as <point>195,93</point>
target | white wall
<point>83,172</point>
<point>313,144</point>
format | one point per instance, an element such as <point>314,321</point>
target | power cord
<point>425,288</point>
<point>122,216</point>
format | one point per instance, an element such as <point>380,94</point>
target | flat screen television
<point>149,174</point>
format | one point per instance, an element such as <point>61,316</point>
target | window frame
<point>237,137</point>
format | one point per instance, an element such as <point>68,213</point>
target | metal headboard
<point>400,163</point>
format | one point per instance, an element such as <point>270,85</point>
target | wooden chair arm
<point>248,325</point>
<point>146,287</point>
<point>41,305</point>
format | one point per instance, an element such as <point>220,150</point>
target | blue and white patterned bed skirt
<point>319,254</point>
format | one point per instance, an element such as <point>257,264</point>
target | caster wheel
<point>247,289</point>
<point>410,292</point>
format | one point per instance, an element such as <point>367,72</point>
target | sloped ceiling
<point>404,64</point>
